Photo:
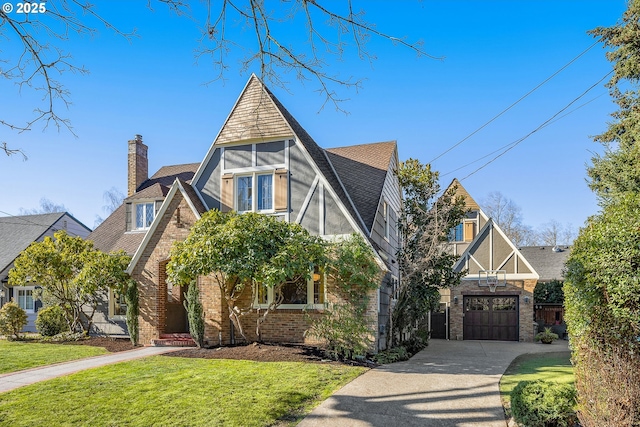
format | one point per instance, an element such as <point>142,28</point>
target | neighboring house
<point>16,234</point>
<point>549,262</point>
<point>475,312</point>
<point>262,160</point>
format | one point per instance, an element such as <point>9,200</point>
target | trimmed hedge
<point>544,404</point>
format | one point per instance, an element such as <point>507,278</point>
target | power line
<point>518,140</point>
<point>514,104</point>
<point>545,123</point>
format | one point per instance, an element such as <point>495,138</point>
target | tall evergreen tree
<point>617,171</point>
<point>602,290</point>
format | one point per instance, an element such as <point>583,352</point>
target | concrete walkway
<point>450,383</point>
<point>21,378</point>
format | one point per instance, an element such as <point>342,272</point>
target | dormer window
<point>144,213</point>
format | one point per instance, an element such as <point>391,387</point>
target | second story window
<point>259,200</point>
<point>144,215</point>
<point>455,234</point>
<point>245,193</point>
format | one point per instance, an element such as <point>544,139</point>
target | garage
<point>491,317</point>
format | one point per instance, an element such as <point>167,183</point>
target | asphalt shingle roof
<point>320,157</point>
<point>548,263</point>
<point>112,234</point>
<point>18,232</point>
<point>363,169</point>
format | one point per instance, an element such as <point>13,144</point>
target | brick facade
<point>149,271</point>
<point>281,325</point>
<point>519,288</point>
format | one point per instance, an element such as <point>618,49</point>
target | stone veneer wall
<point>519,288</point>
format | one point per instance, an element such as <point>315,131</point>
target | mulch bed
<point>263,352</point>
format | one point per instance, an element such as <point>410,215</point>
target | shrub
<point>392,355</point>
<point>133,310</point>
<point>51,321</point>
<point>546,336</point>
<point>544,404</point>
<point>345,330</point>
<point>195,313</point>
<point>12,319</point>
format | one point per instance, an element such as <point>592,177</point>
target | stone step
<point>174,340</point>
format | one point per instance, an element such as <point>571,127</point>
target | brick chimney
<point>138,170</point>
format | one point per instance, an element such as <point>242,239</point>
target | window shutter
<point>128,217</point>
<point>281,190</point>
<point>226,193</point>
<point>469,231</point>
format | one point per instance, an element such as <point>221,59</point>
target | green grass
<point>540,366</point>
<point>19,355</point>
<point>171,391</point>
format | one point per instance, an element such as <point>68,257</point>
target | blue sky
<point>495,52</point>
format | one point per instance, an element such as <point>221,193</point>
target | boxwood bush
<point>544,404</point>
<point>51,321</point>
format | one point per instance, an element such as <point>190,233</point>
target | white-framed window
<point>254,192</point>
<point>296,294</point>
<point>143,215</point>
<point>23,296</point>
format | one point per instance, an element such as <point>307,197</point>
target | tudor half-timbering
<point>261,161</point>
<point>477,312</point>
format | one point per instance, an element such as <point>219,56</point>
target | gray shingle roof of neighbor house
<point>548,261</point>
<point>111,235</point>
<point>363,170</point>
<point>18,232</point>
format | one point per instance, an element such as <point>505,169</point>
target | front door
<point>488,317</point>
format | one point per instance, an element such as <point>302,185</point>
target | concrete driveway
<point>450,383</point>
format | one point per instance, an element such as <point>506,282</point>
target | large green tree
<point>425,262</point>
<point>602,287</point>
<point>246,254</point>
<point>617,171</point>
<point>72,274</point>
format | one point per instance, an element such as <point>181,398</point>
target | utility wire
<point>518,140</point>
<point>545,123</point>
<point>515,103</point>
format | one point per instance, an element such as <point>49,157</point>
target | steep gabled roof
<point>363,169</point>
<point>192,200</point>
<point>549,261</point>
<point>470,203</point>
<point>112,234</point>
<point>167,174</point>
<point>257,115</point>
<point>18,232</point>
<point>488,238</point>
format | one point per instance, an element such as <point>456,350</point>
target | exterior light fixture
<point>526,299</point>
<point>455,299</point>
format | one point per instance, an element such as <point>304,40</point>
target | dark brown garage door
<point>491,318</point>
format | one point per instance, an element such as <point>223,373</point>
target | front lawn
<point>19,355</point>
<point>540,366</point>
<point>168,391</point>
